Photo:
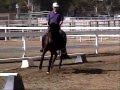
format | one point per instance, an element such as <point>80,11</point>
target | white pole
<point>24,42</point>
<point>96,43</point>
<point>17,8</point>
<point>5,32</point>
<point>80,39</point>
<point>101,39</point>
<point>40,38</point>
<point>25,63</point>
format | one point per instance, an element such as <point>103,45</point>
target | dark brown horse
<point>52,41</point>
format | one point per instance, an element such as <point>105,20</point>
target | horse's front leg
<point>41,60</point>
<point>50,62</point>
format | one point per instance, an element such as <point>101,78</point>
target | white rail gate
<point>70,31</point>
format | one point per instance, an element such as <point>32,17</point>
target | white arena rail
<point>77,28</point>
<point>70,31</point>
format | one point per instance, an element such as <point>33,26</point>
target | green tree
<point>4,5</point>
<point>68,7</point>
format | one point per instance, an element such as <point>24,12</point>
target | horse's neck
<point>54,32</point>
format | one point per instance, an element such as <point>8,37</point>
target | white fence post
<point>96,43</point>
<point>24,42</point>
<point>40,38</point>
<point>80,39</point>
<point>101,39</point>
<point>5,32</point>
<point>25,63</point>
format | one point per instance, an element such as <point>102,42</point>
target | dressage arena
<point>101,72</point>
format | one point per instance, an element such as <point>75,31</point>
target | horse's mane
<point>54,29</point>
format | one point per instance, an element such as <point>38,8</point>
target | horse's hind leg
<point>50,62</point>
<point>60,60</point>
<point>54,59</point>
<point>42,57</point>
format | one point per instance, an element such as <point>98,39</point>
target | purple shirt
<point>55,17</point>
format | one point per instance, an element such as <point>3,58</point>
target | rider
<point>56,18</point>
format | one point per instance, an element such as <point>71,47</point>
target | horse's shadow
<point>88,71</point>
<point>103,54</point>
<point>92,71</point>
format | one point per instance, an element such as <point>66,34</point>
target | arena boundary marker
<point>14,81</point>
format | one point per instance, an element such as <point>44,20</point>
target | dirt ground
<point>101,72</point>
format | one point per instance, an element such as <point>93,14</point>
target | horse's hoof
<point>39,68</point>
<point>59,68</point>
<point>47,72</point>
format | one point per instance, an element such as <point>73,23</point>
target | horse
<point>54,40</point>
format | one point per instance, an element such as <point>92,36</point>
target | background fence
<point>22,33</point>
<point>39,19</point>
